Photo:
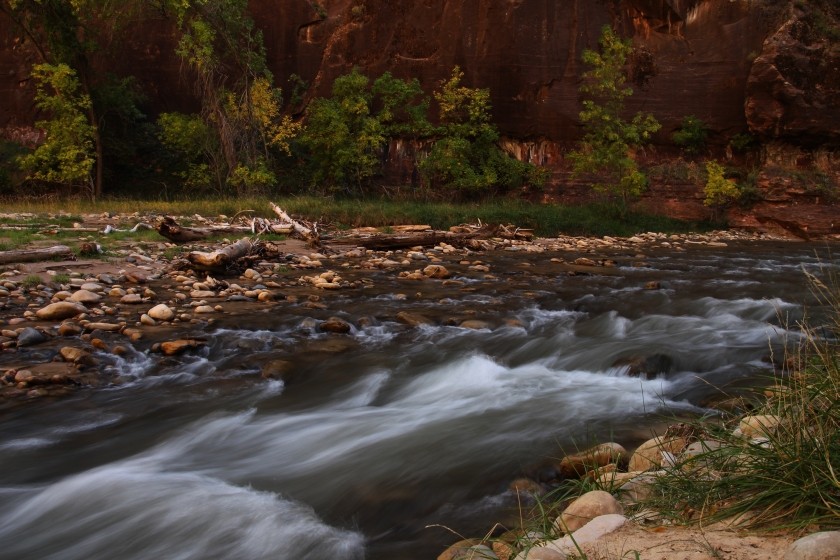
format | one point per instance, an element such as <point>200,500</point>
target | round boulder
<point>575,466</point>
<point>649,455</point>
<point>85,296</point>
<point>586,508</point>
<point>161,312</point>
<point>436,271</point>
<point>335,325</point>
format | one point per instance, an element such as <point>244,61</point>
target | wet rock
<point>526,486</point>
<point>77,356</point>
<point>584,261</point>
<point>824,545</point>
<point>277,369</point>
<point>204,309</point>
<point>69,329</point>
<point>161,312</point>
<point>60,310</point>
<point>475,324</point>
<point>29,336</point>
<point>335,325</point>
<point>85,296</point>
<point>107,327</point>
<point>413,319</point>
<point>175,347</point>
<point>131,299</point>
<point>462,550</point>
<point>586,508</point>
<point>646,367</point>
<point>436,271</point>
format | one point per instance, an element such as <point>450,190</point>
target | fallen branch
<point>34,255</point>
<point>309,234</point>
<point>221,259</point>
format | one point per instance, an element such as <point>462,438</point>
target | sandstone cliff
<point>770,68</point>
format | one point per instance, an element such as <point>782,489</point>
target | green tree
<point>343,137</point>
<point>466,157</point>
<point>609,141</point>
<point>347,133</point>
<point>225,55</point>
<point>66,157</point>
<point>719,190</point>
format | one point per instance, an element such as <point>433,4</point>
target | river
<point>385,437</point>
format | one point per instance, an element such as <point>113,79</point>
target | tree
<point>466,157</point>
<point>346,134</point>
<point>719,190</point>
<point>609,140</point>
<point>226,56</point>
<point>66,157</point>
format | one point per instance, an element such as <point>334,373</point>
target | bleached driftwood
<point>35,255</point>
<point>309,234</point>
<point>220,259</point>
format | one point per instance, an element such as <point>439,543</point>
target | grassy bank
<point>546,220</point>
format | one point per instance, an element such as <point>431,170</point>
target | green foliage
<point>10,153</point>
<point>691,136</point>
<point>402,107</point>
<point>342,136</point>
<point>609,139</point>
<point>466,158</point>
<point>719,190</point>
<point>66,157</point>
<point>742,142</point>
<point>191,144</point>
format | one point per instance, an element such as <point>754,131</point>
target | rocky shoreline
<point>141,296</point>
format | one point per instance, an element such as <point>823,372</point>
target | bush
<point>691,136</point>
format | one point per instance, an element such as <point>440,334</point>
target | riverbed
<point>386,441</point>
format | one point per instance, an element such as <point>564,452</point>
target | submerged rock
<point>60,310</point>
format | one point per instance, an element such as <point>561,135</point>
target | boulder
<point>456,550</point>
<point>131,299</point>
<point>277,369</point>
<point>586,508</point>
<point>161,312</point>
<point>335,325</point>
<point>646,367</point>
<point>30,336</point>
<point>824,545</point>
<point>578,464</point>
<point>173,347</point>
<point>77,356</point>
<point>436,271</point>
<point>413,319</point>
<point>591,532</point>
<point>60,310</point>
<point>649,454</point>
<point>85,296</point>
<point>759,425</point>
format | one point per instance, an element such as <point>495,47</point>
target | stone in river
<point>586,508</point>
<point>161,312</point>
<point>85,296</point>
<point>173,347</point>
<point>436,271</point>
<point>413,319</point>
<point>131,298</point>
<point>30,336</point>
<point>77,356</point>
<point>277,369</point>
<point>61,310</point>
<point>335,325</point>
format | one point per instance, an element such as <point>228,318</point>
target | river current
<point>385,437</point>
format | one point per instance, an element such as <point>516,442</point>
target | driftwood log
<point>387,242</point>
<point>221,259</point>
<point>177,233</point>
<point>304,232</point>
<point>34,255</point>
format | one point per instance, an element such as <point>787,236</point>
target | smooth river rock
<point>161,312</point>
<point>60,310</point>
<point>824,545</point>
<point>586,508</point>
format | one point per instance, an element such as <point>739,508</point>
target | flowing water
<point>384,435</point>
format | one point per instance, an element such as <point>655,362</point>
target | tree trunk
<point>303,231</point>
<point>35,255</point>
<point>221,259</point>
<point>170,229</point>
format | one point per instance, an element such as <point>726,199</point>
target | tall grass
<point>789,476</point>
<point>546,220</point>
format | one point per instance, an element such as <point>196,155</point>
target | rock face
<point>694,57</point>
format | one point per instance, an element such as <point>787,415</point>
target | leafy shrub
<point>719,190</point>
<point>691,136</point>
